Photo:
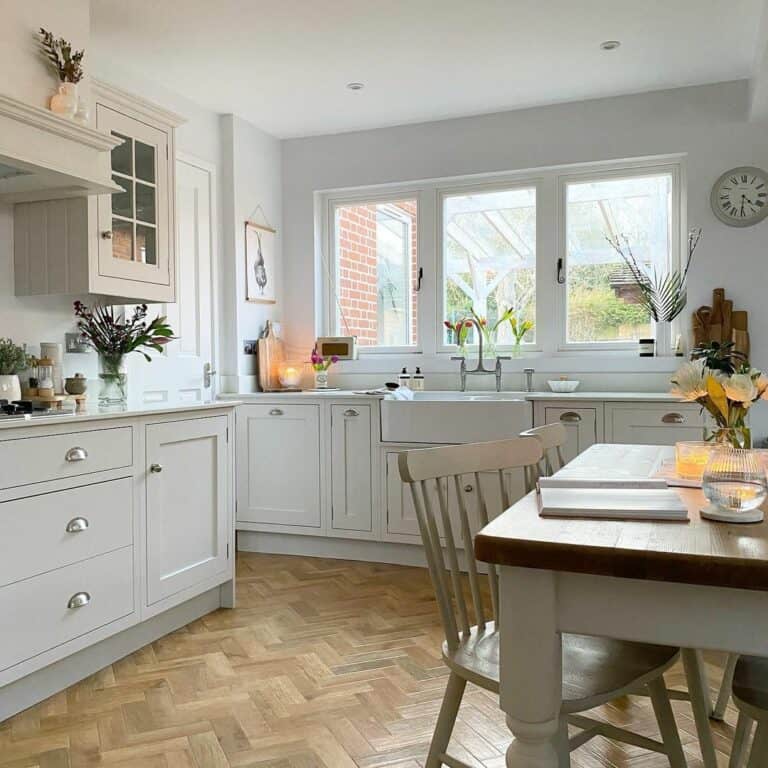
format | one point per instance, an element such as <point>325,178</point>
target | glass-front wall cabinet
<point>135,225</point>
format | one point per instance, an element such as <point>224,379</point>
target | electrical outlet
<point>249,347</point>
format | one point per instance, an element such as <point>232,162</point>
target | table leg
<point>701,703</point>
<point>531,677</point>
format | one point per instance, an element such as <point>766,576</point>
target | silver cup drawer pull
<point>570,417</point>
<point>275,412</point>
<point>155,468</point>
<point>76,454</point>
<point>78,600</point>
<point>673,418</point>
<point>77,524</point>
<point>351,412</point>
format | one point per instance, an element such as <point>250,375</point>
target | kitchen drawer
<point>52,457</point>
<point>35,615</point>
<point>51,530</point>
<point>653,424</point>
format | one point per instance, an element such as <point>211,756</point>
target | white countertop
<point>607,396</point>
<point>94,413</point>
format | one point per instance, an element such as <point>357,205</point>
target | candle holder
<point>289,375</point>
<point>691,458</point>
<point>735,485</point>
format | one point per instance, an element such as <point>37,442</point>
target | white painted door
<point>187,509</point>
<point>278,465</point>
<point>351,486</point>
<point>178,375</point>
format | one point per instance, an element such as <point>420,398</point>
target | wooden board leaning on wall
<point>721,323</point>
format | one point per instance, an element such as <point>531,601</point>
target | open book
<point>625,499</point>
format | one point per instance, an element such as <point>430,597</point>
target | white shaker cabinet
<point>120,245</point>
<point>652,423</point>
<point>187,504</point>
<point>351,469</point>
<point>583,423</point>
<point>278,465</point>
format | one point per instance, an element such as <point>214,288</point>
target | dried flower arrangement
<point>63,59</point>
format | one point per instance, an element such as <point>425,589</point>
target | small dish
<point>564,385</point>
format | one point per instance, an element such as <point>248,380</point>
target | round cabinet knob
<point>468,488</point>
<point>106,235</point>
<point>78,600</point>
<point>155,468</point>
<point>76,454</point>
<point>76,525</point>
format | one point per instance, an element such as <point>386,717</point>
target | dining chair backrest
<point>431,473</point>
<point>552,438</point>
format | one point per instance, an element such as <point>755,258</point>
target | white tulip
<point>740,388</point>
<point>690,381</point>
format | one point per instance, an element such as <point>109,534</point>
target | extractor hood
<point>45,157</point>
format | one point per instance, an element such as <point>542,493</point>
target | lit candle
<point>691,458</point>
<point>290,376</point>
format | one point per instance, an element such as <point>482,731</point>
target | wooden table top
<point>694,552</point>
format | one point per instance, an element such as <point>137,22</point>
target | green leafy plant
<point>114,335</point>
<point>63,59</point>
<point>722,357</point>
<point>663,294</point>
<point>13,359</point>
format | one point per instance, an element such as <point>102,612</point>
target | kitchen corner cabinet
<point>120,245</point>
<point>351,468</point>
<point>278,466</point>
<point>187,505</point>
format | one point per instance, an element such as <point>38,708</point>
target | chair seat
<point>750,682</point>
<point>595,669</point>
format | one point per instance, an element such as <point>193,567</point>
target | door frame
<point>211,170</point>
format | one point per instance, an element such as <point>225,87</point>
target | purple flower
<point>334,358</point>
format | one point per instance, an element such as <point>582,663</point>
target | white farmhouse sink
<point>455,417</point>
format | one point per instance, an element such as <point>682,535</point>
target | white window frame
<point>631,170</point>
<point>328,267</point>
<point>550,184</point>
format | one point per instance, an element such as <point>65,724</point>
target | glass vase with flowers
<point>320,366</point>
<point>721,380</point>
<point>114,335</point>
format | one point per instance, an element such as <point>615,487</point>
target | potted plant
<point>67,63</point>
<point>114,336</point>
<point>13,360</point>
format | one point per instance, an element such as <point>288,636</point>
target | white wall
<point>252,168</point>
<point>709,123</point>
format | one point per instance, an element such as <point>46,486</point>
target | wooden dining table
<point>693,584</point>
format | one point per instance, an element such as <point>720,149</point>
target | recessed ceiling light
<point>610,45</point>
<point>355,86</point>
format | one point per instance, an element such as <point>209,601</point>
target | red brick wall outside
<point>357,269</point>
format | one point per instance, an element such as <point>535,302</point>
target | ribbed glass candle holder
<point>735,485</point>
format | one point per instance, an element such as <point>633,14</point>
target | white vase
<point>10,387</point>
<point>64,103</point>
<point>321,379</point>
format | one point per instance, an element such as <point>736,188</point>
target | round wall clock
<point>740,196</point>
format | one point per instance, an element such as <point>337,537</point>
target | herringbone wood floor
<point>324,664</point>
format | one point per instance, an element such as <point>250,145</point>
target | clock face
<point>740,196</point>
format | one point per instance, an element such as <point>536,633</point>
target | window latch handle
<point>560,274</point>
<point>419,278</point>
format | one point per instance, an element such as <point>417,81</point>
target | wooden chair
<point>552,438</point>
<point>595,670</point>
<point>750,694</point>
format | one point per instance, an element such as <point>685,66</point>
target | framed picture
<point>259,264</point>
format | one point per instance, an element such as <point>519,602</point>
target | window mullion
<point>549,295</point>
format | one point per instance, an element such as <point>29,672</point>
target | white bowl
<point>563,385</point>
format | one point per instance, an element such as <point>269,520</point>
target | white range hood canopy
<point>44,156</point>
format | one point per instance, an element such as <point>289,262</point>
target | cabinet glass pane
<point>145,203</point>
<point>122,202</point>
<point>122,240</point>
<point>145,162</point>
<point>146,250</point>
<point>122,155</point>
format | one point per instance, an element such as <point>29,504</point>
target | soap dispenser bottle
<point>417,382</point>
<point>404,378</point>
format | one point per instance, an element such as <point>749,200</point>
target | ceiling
<point>284,65</point>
